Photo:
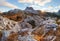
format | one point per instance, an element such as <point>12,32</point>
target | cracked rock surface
<point>31,28</point>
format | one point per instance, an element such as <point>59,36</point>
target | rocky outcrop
<point>31,10</point>
<point>31,28</point>
<point>17,25</point>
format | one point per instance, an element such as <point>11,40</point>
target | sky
<point>43,5</point>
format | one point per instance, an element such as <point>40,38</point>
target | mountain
<point>59,11</point>
<point>58,14</point>
<point>19,25</point>
<point>16,14</point>
<point>15,11</point>
<point>31,10</point>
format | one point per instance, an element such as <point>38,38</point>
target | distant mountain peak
<point>15,11</point>
<point>59,11</point>
<point>29,8</point>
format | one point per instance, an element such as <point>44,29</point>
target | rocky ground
<point>27,26</point>
<point>32,28</point>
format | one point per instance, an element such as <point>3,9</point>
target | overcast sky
<point>44,5</point>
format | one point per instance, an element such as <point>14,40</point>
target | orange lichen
<point>12,37</point>
<point>38,38</point>
<point>0,34</point>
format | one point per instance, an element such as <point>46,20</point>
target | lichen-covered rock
<point>31,28</point>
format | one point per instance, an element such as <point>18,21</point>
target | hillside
<point>29,25</point>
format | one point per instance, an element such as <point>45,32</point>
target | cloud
<point>51,8</point>
<point>47,9</point>
<point>38,2</point>
<point>57,6</point>
<point>34,6</point>
<point>7,4</point>
<point>41,2</point>
<point>25,1</point>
